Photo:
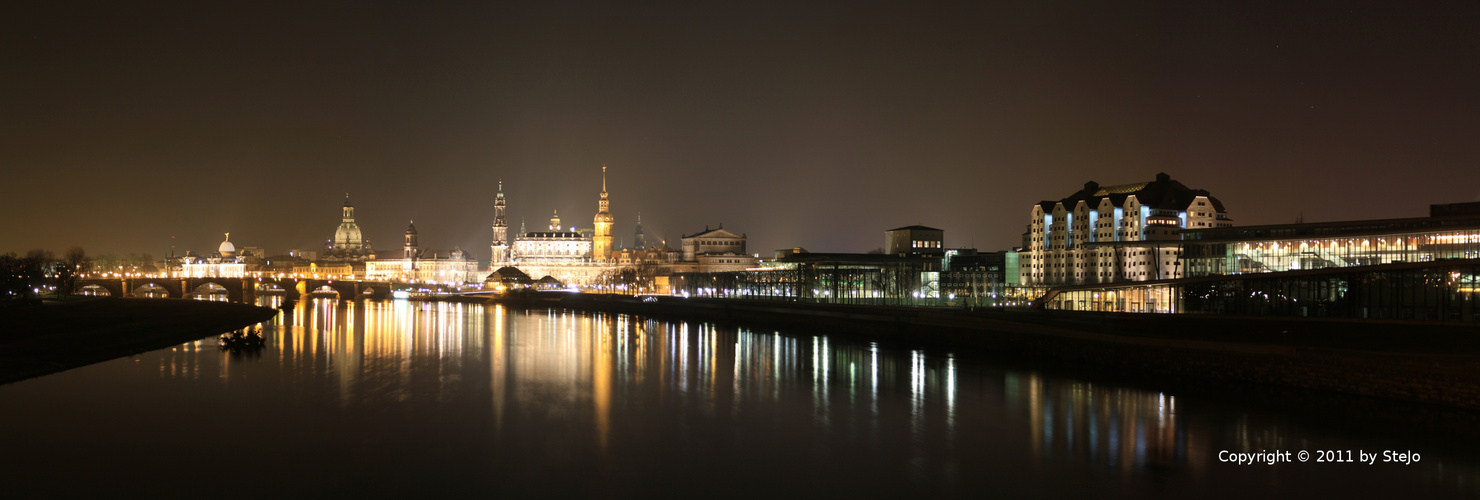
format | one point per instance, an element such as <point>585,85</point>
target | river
<point>397,398</point>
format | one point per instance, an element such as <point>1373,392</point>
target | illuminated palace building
<point>224,264</point>
<point>714,251</point>
<point>570,256</point>
<point>1421,268</point>
<point>418,264</point>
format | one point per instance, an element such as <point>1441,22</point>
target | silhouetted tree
<point>647,274</point>
<point>10,277</point>
<point>105,263</point>
<point>74,264</point>
<point>22,276</point>
<point>627,276</point>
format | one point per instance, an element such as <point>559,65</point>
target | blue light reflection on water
<point>414,397</point>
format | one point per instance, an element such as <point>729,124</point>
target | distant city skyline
<point>817,125</point>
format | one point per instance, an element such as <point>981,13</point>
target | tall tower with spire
<point>500,230</point>
<point>601,243</point>
<point>409,248</point>
<point>639,241</point>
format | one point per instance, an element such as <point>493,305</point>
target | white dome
<point>227,249</point>
<point>348,236</point>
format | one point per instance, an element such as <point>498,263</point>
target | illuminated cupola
<point>227,249</point>
<point>347,236</point>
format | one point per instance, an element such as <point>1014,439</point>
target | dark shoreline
<point>39,340</point>
<point>1426,364</point>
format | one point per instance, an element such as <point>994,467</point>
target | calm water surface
<point>403,398</point>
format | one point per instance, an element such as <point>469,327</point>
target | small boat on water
<point>242,339</point>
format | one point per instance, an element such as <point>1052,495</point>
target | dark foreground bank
<point>38,340</point>
<point>1422,363</point>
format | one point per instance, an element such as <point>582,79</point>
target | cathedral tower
<point>640,241</point>
<point>500,230</point>
<point>601,243</point>
<point>410,246</point>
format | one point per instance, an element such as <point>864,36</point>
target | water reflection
<point>536,394</point>
<point>1110,429</point>
<point>569,363</point>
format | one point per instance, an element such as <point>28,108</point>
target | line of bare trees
<point>24,277</point>
<point>637,278</point>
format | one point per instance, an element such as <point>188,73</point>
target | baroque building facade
<point>418,264</point>
<point>564,254</point>
<point>225,263</point>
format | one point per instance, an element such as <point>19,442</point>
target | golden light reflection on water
<point>497,365</point>
<point>606,375</point>
<point>565,361</point>
<point>601,377</point>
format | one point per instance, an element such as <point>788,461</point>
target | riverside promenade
<point>1416,362</point>
<point>39,339</point>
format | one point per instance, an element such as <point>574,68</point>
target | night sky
<point>799,123</point>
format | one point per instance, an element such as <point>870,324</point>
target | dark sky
<point>799,123</point>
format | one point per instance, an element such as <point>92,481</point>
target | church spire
<point>604,206</point>
<point>499,206</point>
<point>500,245</point>
<point>640,239</point>
<point>601,240</point>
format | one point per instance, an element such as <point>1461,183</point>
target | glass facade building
<point>1295,247</point>
<point>1420,269</point>
<point>1439,291</point>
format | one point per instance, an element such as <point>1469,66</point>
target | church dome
<point>348,236</point>
<point>227,249</point>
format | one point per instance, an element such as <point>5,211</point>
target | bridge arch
<point>150,290</point>
<point>209,290</point>
<point>375,291</point>
<point>93,289</point>
<point>202,286</point>
<point>113,286</point>
<point>325,289</point>
<point>171,288</point>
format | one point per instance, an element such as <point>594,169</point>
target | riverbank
<point>1416,362</point>
<point>38,340</point>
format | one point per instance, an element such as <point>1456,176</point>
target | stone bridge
<point>239,289</point>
